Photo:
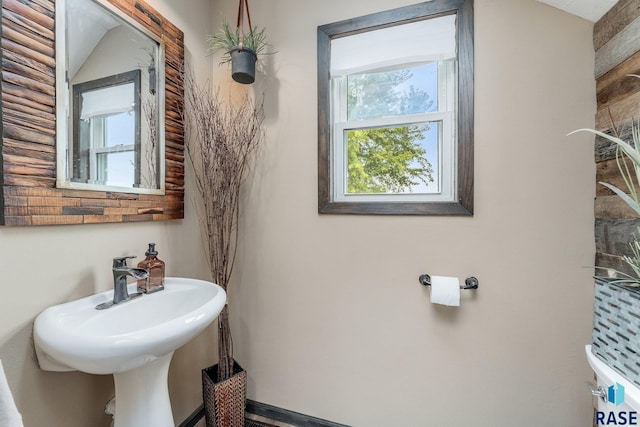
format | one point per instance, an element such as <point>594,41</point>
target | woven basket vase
<point>224,401</point>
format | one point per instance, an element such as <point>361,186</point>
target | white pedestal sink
<point>134,341</point>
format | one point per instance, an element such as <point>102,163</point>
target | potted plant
<point>239,48</point>
<point>628,162</point>
<point>222,140</point>
<point>616,294</point>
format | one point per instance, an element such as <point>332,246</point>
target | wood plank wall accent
<point>28,146</point>
<point>617,45</point>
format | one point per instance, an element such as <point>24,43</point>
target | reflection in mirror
<point>35,183</point>
<point>106,131</point>
<point>108,134</point>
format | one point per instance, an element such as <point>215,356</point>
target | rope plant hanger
<point>243,59</point>
<point>240,46</point>
<point>240,21</point>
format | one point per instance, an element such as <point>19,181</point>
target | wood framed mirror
<point>29,191</point>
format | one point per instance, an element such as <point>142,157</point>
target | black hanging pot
<point>243,65</point>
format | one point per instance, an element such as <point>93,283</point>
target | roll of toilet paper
<point>9,415</point>
<point>445,290</point>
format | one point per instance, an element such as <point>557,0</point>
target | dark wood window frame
<point>465,168</point>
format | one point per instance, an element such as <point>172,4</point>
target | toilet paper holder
<point>469,282</point>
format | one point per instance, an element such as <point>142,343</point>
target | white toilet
<point>627,409</point>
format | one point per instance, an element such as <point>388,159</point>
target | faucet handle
<point>121,261</point>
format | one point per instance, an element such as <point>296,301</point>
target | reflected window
<point>113,142</point>
<point>106,134</point>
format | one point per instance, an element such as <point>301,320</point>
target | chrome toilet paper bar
<point>469,282</point>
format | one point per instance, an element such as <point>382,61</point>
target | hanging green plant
<point>239,47</point>
<point>228,39</point>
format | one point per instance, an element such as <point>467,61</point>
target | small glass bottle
<point>155,268</point>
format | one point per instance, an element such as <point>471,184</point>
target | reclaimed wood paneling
<point>615,36</point>
<point>612,207</point>
<point>619,16</point>
<point>617,44</point>
<point>28,168</point>
<point>616,85</point>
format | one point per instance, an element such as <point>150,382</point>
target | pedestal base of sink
<point>142,395</point>
<point>74,336</point>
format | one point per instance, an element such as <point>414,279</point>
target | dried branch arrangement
<point>222,140</point>
<point>151,174</point>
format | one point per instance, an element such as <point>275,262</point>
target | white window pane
<point>116,169</point>
<point>401,159</point>
<point>431,39</point>
<point>404,91</point>
<point>120,130</point>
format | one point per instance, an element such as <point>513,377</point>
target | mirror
<point>109,135</point>
<point>40,187</point>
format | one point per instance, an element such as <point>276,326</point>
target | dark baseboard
<point>271,412</point>
<point>286,416</point>
<point>194,418</point>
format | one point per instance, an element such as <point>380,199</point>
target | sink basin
<point>134,341</point>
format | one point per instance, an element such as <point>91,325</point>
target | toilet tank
<point>619,400</point>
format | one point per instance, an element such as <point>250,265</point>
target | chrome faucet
<point>120,273</point>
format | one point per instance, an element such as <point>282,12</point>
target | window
<point>112,148</point>
<point>106,134</point>
<point>396,112</point>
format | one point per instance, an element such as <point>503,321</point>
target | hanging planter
<point>240,47</point>
<point>243,65</point>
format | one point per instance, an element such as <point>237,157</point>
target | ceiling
<point>87,23</point>
<point>591,10</point>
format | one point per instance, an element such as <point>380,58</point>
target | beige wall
<point>329,319</point>
<point>42,266</point>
